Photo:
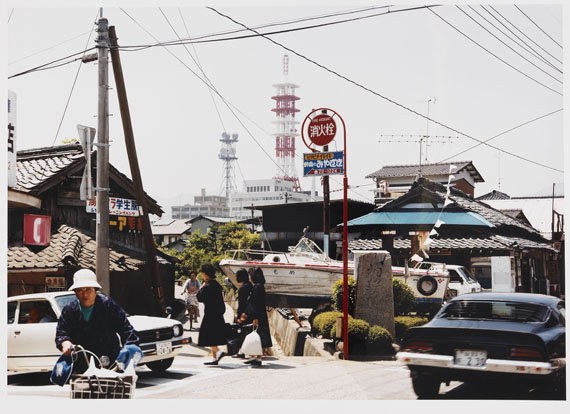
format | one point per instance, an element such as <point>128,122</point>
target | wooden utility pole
<point>152,264</point>
<point>102,188</point>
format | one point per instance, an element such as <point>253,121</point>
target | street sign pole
<point>321,131</point>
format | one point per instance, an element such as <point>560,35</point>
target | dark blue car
<point>489,336</point>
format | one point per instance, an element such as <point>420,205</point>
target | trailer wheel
<point>427,285</point>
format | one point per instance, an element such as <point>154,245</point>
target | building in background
<point>265,192</point>
<point>205,205</point>
<point>392,181</point>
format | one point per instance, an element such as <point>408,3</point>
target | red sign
<point>37,230</point>
<point>322,129</point>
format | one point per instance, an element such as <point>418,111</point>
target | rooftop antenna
<point>419,138</point>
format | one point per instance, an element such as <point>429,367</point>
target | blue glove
<point>62,370</point>
<point>128,353</point>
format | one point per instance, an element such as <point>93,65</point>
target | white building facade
<point>264,192</point>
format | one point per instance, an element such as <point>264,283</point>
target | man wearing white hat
<point>93,321</point>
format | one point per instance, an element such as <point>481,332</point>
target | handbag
<point>251,344</point>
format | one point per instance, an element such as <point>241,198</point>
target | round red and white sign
<point>322,129</point>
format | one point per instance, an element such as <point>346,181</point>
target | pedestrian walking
<point>213,331</point>
<point>256,312</point>
<point>243,295</point>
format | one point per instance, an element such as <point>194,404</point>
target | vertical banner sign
<point>86,136</point>
<point>11,139</point>
<point>37,230</point>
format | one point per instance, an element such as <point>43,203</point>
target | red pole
<point>345,255</point>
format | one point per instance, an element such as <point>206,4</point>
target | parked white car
<point>31,341</point>
<point>460,279</point>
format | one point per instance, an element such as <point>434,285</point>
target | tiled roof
<point>37,166</point>
<point>492,242</point>
<point>494,195</point>
<point>68,246</point>
<point>389,171</point>
<point>173,227</point>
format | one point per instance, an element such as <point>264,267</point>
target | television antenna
<point>420,138</point>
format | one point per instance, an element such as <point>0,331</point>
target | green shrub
<point>324,322</point>
<point>403,323</point>
<point>357,330</point>
<point>337,295</point>
<point>404,298</point>
<point>378,341</point>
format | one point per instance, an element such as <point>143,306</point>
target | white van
<point>460,279</point>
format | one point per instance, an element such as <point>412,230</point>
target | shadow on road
<point>495,391</point>
<point>30,378</point>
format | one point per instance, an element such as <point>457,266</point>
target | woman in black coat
<point>243,295</point>
<point>213,327</point>
<point>256,312</point>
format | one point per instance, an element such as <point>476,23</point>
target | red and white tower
<point>286,128</point>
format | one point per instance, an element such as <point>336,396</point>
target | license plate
<point>164,348</point>
<point>469,358</point>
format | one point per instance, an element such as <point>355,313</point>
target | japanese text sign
<point>322,129</point>
<point>126,224</point>
<point>323,163</point>
<point>117,206</point>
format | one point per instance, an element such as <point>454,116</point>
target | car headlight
<point>177,330</point>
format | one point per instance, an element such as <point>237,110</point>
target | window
<point>497,310</point>
<point>37,311</point>
<point>11,312</point>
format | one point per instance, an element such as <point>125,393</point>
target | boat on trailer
<point>305,275</point>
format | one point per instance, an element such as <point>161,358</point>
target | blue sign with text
<point>323,163</point>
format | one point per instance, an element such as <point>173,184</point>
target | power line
<point>382,96</point>
<point>497,57</point>
<point>525,35</point>
<point>505,132</point>
<point>209,86</point>
<point>536,53</point>
<point>540,28</point>
<point>69,97</point>
<point>49,48</point>
<point>37,68</point>
<point>484,28</point>
<point>257,34</point>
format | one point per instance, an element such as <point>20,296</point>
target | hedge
<point>404,298</point>
<point>324,322</point>
<point>403,323</point>
<point>379,340</point>
<point>357,330</point>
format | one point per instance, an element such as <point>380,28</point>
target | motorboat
<point>305,270</point>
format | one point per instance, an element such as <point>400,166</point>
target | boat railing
<point>248,254</point>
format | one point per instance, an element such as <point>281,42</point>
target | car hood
<point>528,327</point>
<point>143,323</point>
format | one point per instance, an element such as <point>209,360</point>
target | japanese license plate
<point>469,358</point>
<point>164,348</point>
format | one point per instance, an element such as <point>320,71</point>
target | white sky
<point>408,57</point>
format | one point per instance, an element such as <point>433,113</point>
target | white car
<point>31,341</point>
<point>460,279</point>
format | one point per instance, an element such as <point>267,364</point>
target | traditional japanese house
<point>46,195</point>
<point>443,224</point>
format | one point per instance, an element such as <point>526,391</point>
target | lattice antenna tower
<point>228,156</point>
<point>286,126</point>
<point>421,139</point>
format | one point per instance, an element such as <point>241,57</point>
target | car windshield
<point>64,300</point>
<point>467,274</point>
<point>496,310</point>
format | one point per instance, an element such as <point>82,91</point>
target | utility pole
<point>102,188</point>
<point>326,210</point>
<point>152,264</point>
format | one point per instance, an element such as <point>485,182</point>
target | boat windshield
<point>306,246</point>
